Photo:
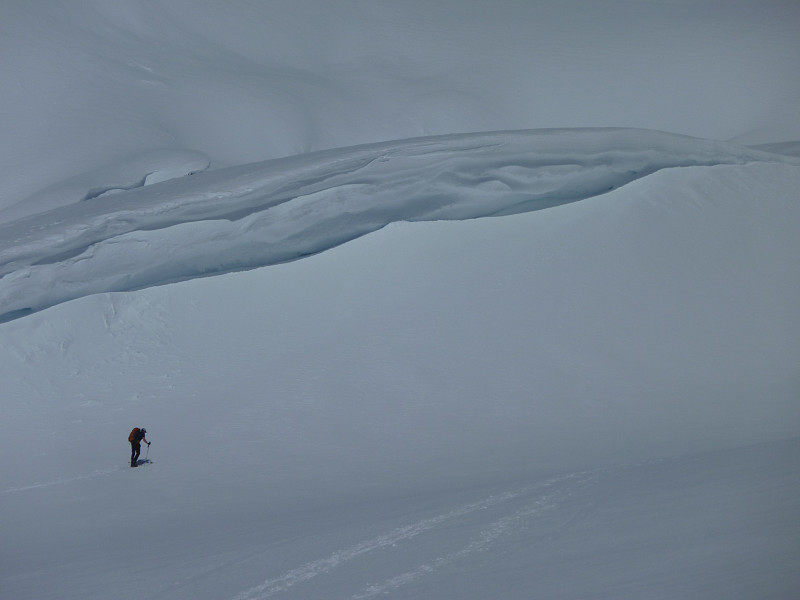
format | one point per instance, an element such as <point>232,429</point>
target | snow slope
<point>704,526</point>
<point>90,83</point>
<point>270,212</point>
<point>423,412</point>
<point>593,394</point>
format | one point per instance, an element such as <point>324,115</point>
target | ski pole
<point>146,453</point>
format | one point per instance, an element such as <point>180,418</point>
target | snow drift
<point>265,213</point>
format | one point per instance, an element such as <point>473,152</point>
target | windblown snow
<point>266,213</point>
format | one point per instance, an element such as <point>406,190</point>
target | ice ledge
<point>265,213</point>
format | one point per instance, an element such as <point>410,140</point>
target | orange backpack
<point>134,434</point>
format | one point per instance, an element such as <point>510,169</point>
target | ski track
<point>544,496</point>
<point>482,541</point>
<point>60,481</point>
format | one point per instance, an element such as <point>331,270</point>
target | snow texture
<point>380,392</point>
<point>262,214</point>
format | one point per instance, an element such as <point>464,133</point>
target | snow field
<point>380,394</point>
<point>409,365</point>
<point>663,528</point>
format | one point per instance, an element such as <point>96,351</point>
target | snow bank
<point>265,213</point>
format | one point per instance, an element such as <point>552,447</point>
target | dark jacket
<point>138,437</point>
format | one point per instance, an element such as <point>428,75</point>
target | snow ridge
<point>276,211</point>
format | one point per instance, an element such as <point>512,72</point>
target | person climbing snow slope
<point>136,437</point>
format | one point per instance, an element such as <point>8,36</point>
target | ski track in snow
<point>60,481</point>
<point>493,532</point>
<point>537,499</point>
<point>266,213</point>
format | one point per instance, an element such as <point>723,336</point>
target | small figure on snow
<point>136,438</point>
